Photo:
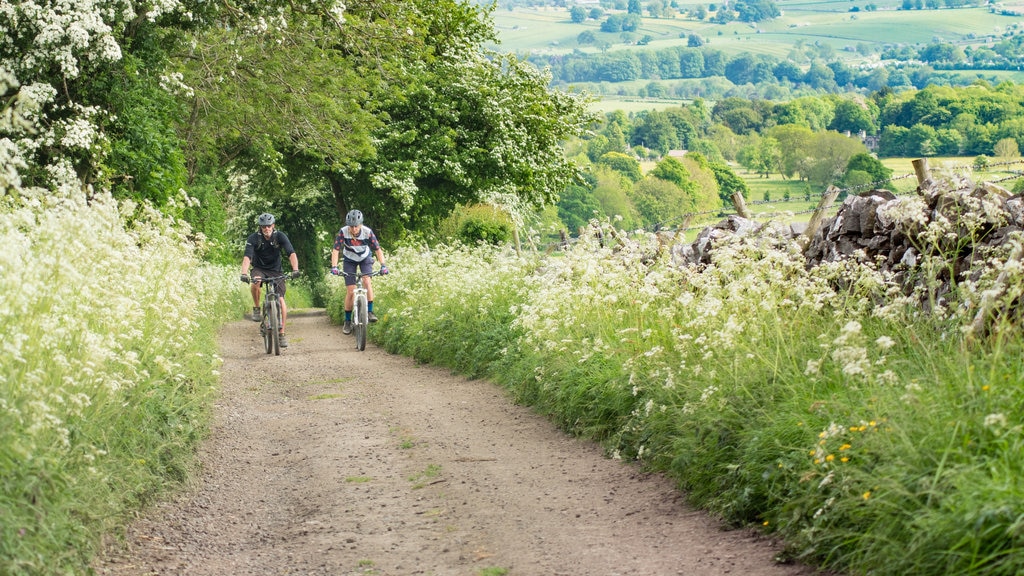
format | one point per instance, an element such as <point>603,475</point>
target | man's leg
<point>254,289</point>
<point>283,340</point>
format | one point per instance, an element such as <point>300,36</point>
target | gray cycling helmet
<point>265,219</point>
<point>354,218</point>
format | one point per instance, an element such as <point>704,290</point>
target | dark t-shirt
<point>266,254</point>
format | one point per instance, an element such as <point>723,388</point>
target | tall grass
<point>108,325</point>
<point>871,437</point>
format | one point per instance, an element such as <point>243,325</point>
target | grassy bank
<point>867,435</point>
<point>107,374</point>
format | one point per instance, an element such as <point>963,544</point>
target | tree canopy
<point>305,107</point>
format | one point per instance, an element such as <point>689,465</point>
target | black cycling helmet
<point>354,218</point>
<point>265,219</point>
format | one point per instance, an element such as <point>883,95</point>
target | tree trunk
<point>338,191</point>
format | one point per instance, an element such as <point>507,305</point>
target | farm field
<point>548,30</point>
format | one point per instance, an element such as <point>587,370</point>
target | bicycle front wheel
<point>359,326</point>
<point>274,328</point>
<point>268,342</point>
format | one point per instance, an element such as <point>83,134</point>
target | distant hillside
<point>811,47</point>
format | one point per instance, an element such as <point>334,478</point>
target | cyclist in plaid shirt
<point>356,245</point>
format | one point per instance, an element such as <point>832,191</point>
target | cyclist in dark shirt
<point>263,252</point>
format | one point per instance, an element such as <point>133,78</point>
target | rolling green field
<point>830,26</point>
<point>548,30</point>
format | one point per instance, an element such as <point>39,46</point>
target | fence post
<point>740,204</point>
<point>922,171</point>
<point>819,214</point>
<point>515,238</point>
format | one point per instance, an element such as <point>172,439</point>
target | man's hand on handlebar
<point>295,274</point>
<point>245,278</point>
<point>335,271</point>
<point>384,270</point>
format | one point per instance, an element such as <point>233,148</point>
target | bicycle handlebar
<point>359,273</point>
<point>271,278</point>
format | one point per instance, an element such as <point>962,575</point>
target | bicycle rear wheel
<point>359,326</point>
<point>274,328</point>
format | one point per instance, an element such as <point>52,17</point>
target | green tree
<point>820,76</point>
<point>405,130</point>
<point>616,139</point>
<point>707,193</point>
<point>673,170</point>
<point>922,141</point>
<point>894,141</point>
<point>854,117</point>
<point>624,164</point>
<point>794,144</point>
<point>831,152</point>
<point>654,130</point>
<point>867,164</point>
<point>577,205</point>
<point>728,182</point>
<point>597,147</point>
<point>612,193</point>
<point>769,156</point>
<point>659,202</point>
<point>811,111</point>
<point>1006,148</point>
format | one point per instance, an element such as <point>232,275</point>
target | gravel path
<point>330,461</point>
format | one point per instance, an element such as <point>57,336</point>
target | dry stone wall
<point>955,219</point>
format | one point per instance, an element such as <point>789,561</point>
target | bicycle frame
<point>360,309</point>
<point>270,325</point>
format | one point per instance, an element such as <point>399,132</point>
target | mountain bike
<point>360,309</point>
<point>270,322</point>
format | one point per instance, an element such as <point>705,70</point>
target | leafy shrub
<point>476,224</point>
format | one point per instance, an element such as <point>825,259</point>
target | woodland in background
<point>821,140</point>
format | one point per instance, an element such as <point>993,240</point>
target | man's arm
<point>334,258</point>
<point>294,260</point>
<point>245,265</point>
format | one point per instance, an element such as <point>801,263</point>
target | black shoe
<point>371,316</point>
<point>347,328</point>
<point>282,341</point>
<point>256,314</point>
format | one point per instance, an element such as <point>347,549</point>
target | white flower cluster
<point>174,83</point>
<point>158,8</point>
<point>86,316</point>
<point>337,10</point>
<point>906,211</point>
<point>68,32</point>
<point>11,163</point>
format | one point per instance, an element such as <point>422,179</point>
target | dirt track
<point>329,461</point>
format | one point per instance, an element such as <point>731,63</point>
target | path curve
<point>338,462</point>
